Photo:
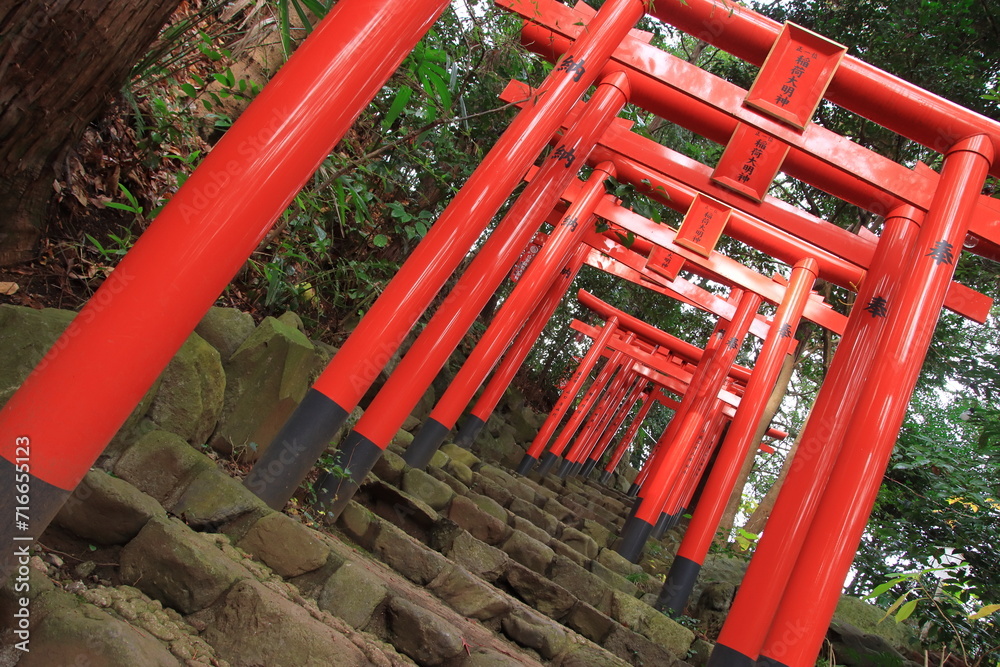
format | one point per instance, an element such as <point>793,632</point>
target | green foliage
<point>949,612</point>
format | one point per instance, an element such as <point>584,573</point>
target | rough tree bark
<point>773,403</point>
<point>61,61</point>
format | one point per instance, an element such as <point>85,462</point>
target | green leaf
<point>396,108</point>
<point>906,610</point>
<point>985,611</point>
<point>380,241</point>
<point>882,588</point>
<point>894,606</point>
<point>189,90</point>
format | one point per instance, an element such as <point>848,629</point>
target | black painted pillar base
<point>635,532</point>
<point>633,491</point>
<point>662,525</point>
<point>548,461</point>
<point>677,587</point>
<point>425,443</point>
<point>469,431</point>
<point>764,661</point>
<point>635,508</point>
<point>357,455</point>
<point>588,468</point>
<point>604,478</point>
<point>27,506</point>
<point>565,469</point>
<point>723,656</point>
<point>293,452</point>
<point>526,465</point>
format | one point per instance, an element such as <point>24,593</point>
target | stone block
<point>192,387</point>
<point>459,455</point>
<point>539,592</point>
<point>460,471</point>
<point>579,541</point>
<point>352,593</point>
<point>615,562</point>
<point>569,552</point>
<point>359,524</point>
<point>528,552</point>
<point>613,579</point>
<point>213,499</point>
<point>488,505</point>
<point>480,524</point>
<point>478,557</point>
<point>421,634</point>
<point>557,509</point>
<point>581,583</point>
<point>407,556</point>
<point>107,510</point>
<point>67,631</point>
<point>457,486</point>
<point>535,515</point>
<point>161,465</point>
<point>253,625</point>
<point>491,489</point>
<point>589,622</point>
<point>170,562</point>
<point>266,378</point>
<point>225,329</point>
<point>421,485</point>
<point>469,595</point>
<point>529,529</point>
<point>390,467</point>
<point>284,545</point>
<point>536,632</point>
<point>639,650</point>
<point>601,535</point>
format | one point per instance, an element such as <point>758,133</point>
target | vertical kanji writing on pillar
<point>877,306</point>
<point>564,153</point>
<point>941,252</point>
<point>575,67</point>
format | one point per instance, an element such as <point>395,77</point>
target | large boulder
<point>855,648</point>
<point>266,378</point>
<point>225,329</point>
<point>189,400</point>
<point>26,336</point>
<point>871,619</point>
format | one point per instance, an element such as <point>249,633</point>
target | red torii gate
<point>323,83</point>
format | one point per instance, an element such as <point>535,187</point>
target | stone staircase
<point>162,557</point>
<point>166,559</point>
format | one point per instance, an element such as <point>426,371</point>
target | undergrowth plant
<point>949,613</point>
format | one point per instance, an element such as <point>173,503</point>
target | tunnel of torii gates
<point>148,306</point>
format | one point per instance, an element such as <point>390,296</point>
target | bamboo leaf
<point>906,610</point>
<point>985,611</point>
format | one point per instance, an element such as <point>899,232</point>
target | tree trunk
<point>773,403</point>
<point>755,524</point>
<point>60,64</point>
